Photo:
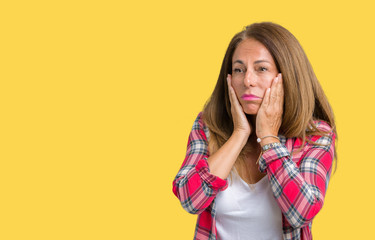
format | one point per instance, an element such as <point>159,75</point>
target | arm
<point>201,176</point>
<point>194,185</point>
<point>300,191</point>
<point>222,161</point>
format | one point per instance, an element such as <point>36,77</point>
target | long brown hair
<point>304,99</point>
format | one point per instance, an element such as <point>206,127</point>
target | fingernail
<point>277,79</point>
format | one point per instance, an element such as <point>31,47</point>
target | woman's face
<point>253,70</point>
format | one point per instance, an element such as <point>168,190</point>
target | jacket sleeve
<point>194,185</point>
<point>300,191</point>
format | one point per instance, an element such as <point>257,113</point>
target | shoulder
<point>200,117</point>
<point>323,126</point>
<point>327,137</point>
<point>198,122</point>
<point>200,126</point>
<point>324,141</point>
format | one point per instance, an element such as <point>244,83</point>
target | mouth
<point>250,97</point>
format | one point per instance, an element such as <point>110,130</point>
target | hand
<point>270,113</point>
<point>240,122</point>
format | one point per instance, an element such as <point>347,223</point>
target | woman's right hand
<point>240,122</point>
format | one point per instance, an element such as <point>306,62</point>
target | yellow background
<point>97,99</point>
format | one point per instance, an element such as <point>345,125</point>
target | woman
<point>259,156</point>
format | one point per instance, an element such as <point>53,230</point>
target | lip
<point>250,97</point>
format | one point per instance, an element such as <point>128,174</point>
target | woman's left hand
<point>269,117</point>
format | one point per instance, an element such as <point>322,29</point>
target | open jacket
<point>299,180</point>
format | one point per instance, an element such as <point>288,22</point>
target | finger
<point>280,90</point>
<point>274,89</point>
<point>229,82</point>
<point>232,94</point>
<point>266,98</point>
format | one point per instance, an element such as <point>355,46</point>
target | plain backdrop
<point>97,99</point>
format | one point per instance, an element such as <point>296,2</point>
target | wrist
<point>264,139</point>
<point>268,146</point>
<point>268,140</point>
<point>240,136</point>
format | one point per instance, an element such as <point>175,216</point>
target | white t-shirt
<point>243,213</point>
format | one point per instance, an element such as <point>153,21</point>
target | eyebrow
<point>256,62</point>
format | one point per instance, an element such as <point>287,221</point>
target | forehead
<point>251,50</point>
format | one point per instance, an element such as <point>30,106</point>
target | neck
<point>252,140</point>
<point>252,120</point>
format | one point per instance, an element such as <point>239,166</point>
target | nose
<point>249,79</point>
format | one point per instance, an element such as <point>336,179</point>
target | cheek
<point>266,84</point>
<point>236,86</point>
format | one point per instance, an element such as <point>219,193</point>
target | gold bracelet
<point>260,139</point>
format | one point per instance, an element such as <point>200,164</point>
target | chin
<point>251,110</point>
